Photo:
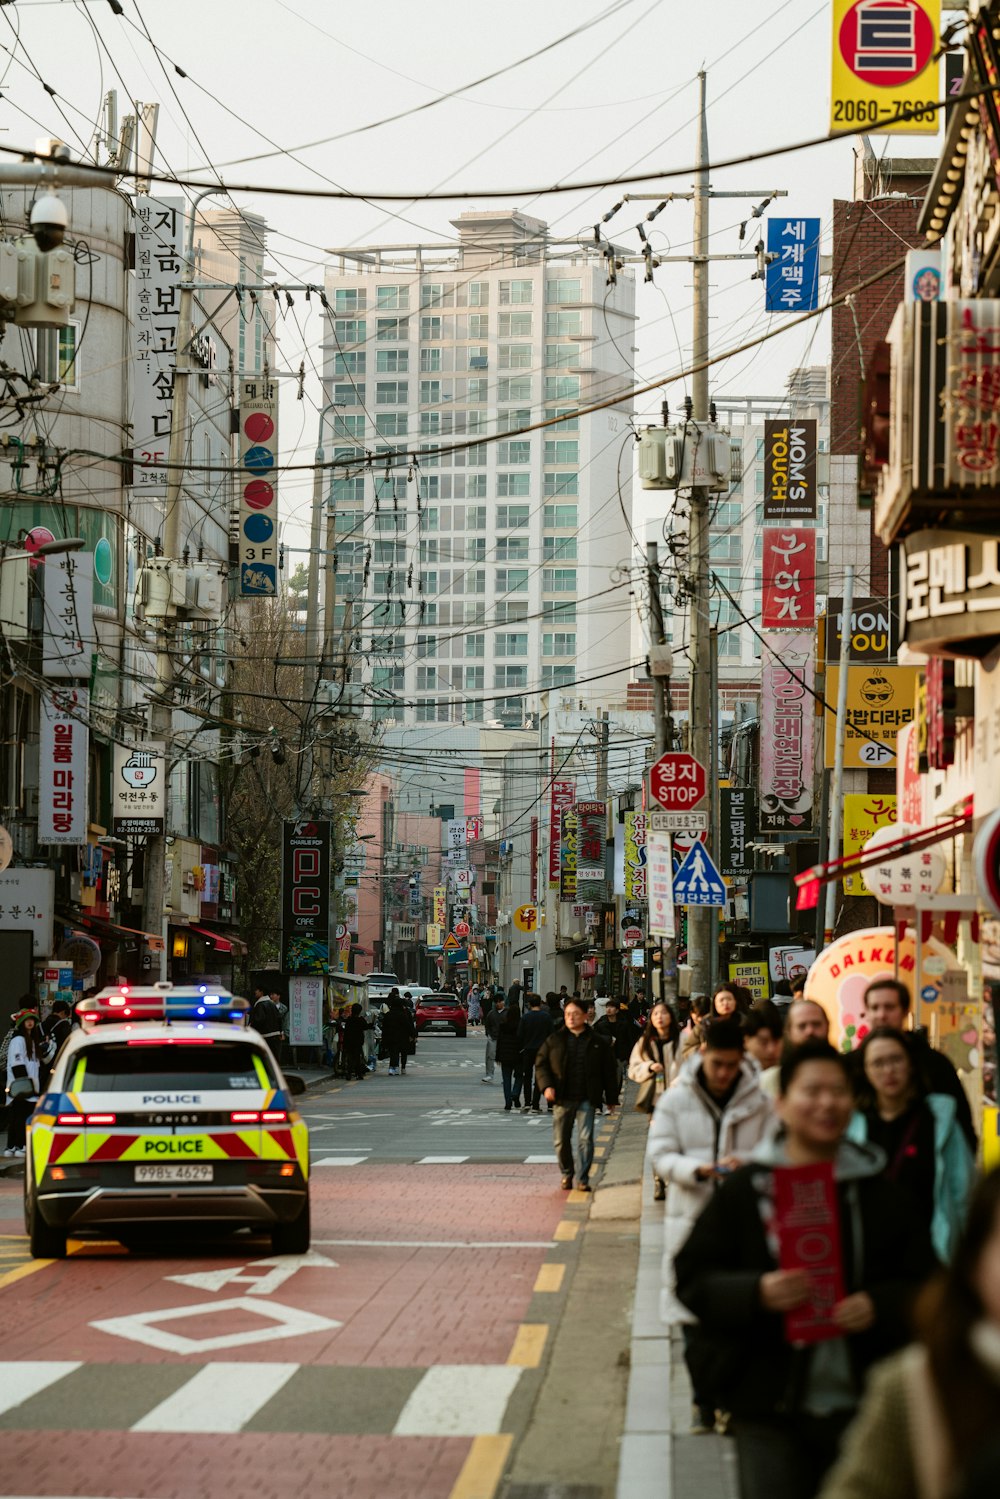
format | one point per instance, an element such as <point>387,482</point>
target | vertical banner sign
<point>441,905</point>
<point>567,856</point>
<point>305,897</point>
<point>792,277</point>
<point>789,577</point>
<point>660,866</point>
<point>787,728</point>
<point>884,76</point>
<point>159,231</point>
<point>63,763</point>
<point>258,484</point>
<point>738,821</point>
<point>563,796</point>
<point>305,1010</point>
<point>864,815</point>
<point>68,639</point>
<point>807,1226</point>
<point>635,856</point>
<point>137,783</point>
<point>591,876</point>
<point>473,829</point>
<point>790,470</point>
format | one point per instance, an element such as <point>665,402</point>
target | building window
<point>727,548</point>
<point>431,329</point>
<point>758,481</point>
<point>559,548</point>
<point>560,356</point>
<point>348,364</point>
<point>512,549</point>
<point>58,359</point>
<point>479,325</point>
<point>562,451</point>
<point>562,387</point>
<point>514,452</point>
<point>727,514</point>
<point>437,294</point>
<point>427,679</point>
<point>563,325</point>
<point>348,491</point>
<point>511,611</point>
<point>513,485</point>
<point>430,361</point>
<point>558,676</point>
<point>350,395</point>
<point>512,580</point>
<point>477,390</point>
<point>392,361</point>
<point>514,324</point>
<point>510,676</point>
<point>391,424</point>
<point>392,329</point>
<point>559,580</point>
<point>559,517</point>
<point>511,517</point>
<point>561,644</point>
<point>514,356</point>
<point>430,392</point>
<point>514,293</point>
<point>351,427</point>
<point>559,614</point>
<point>477,357</point>
<point>350,330</point>
<point>475,489</point>
<point>511,645</point>
<point>349,302</point>
<point>514,388</point>
<point>562,484</point>
<point>347,522</point>
<point>430,423</point>
<point>475,645</point>
<point>391,392</point>
<point>564,289</point>
<point>568,418</point>
<point>475,678</point>
<point>512,421</point>
<point>479,293</point>
<point>392,298</point>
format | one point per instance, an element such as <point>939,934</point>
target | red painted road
<point>401,1308</point>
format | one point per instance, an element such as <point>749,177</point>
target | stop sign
<point>677,782</point>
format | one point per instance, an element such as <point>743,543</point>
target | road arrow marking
<point>256,1273</point>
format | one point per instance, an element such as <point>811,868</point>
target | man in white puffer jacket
<point>703,1127</point>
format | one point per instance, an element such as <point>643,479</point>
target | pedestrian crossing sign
<point>451,943</point>
<point>698,882</point>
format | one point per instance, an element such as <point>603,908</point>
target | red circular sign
<point>258,426</point>
<point>462,929</point>
<point>886,43</point>
<point>258,494</point>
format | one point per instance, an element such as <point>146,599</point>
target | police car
<point>162,1109</point>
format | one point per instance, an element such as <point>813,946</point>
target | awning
<point>222,944</point>
<point>913,842</point>
<point>107,928</point>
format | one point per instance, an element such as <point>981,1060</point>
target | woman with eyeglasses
<point>926,1151</point>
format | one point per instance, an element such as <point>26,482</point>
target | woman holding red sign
<point>800,1270</point>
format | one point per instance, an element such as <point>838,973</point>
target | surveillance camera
<point>49,222</point>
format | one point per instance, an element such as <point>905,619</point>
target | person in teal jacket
<point>926,1151</point>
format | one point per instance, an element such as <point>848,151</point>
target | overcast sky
<point>619,96</point>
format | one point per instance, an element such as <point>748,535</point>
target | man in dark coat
<point>791,1400</point>
<point>535,1027</point>
<point>576,1071</point>
<point>398,1029</point>
<point>491,1025</point>
<point>617,1028</point>
<point>265,1017</point>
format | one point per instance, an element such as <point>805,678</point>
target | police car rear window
<point>221,1067</point>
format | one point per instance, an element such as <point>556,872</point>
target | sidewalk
<point>658,1455</point>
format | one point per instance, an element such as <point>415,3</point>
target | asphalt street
<point>404,1353</point>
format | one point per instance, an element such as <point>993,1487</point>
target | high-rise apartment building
<point>470,574</point>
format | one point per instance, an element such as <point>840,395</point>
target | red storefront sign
<point>807,1225</point>
<point>789,577</point>
<point>563,796</point>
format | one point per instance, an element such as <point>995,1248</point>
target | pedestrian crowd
<point>831,1259</point>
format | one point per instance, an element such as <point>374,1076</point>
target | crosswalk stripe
<point>540,1160</point>
<point>458,1400</point>
<point>342,1160</point>
<point>442,1160</point>
<point>20,1381</point>
<point>219,1398</point>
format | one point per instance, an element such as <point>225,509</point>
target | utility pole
<point>714,831</point>
<point>603,740</point>
<point>837,789</point>
<point>662,732</point>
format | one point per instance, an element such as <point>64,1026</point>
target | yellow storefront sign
<point>752,976</point>
<point>863,816</point>
<point>884,77</point>
<point>879,703</point>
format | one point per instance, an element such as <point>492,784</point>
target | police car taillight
<point>274,1116</point>
<point>77,1121</point>
<point>245,1116</point>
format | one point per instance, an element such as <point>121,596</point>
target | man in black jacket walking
<point>618,1029</point>
<point>535,1027</point>
<point>576,1071</point>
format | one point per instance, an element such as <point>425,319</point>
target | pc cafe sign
<point>838,978</point>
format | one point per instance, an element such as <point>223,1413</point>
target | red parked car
<point>441,1010</point>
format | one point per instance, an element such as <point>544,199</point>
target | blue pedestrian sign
<point>698,882</point>
<point>792,278</point>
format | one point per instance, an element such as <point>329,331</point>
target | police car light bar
<point>189,1002</point>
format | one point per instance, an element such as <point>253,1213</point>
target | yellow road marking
<point>22,1271</point>
<point>82,1248</point>
<point>576,1196</point>
<point>550,1278</point>
<point>566,1231</point>
<point>528,1345</point>
<point>601,1151</point>
<point>483,1468</point>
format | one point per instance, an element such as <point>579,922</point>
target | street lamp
<point>47,549</point>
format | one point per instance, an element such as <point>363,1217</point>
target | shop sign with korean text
<point>63,766</point>
<point>879,702</point>
<point>792,276</point>
<point>752,976</point>
<point>789,578</point>
<point>591,875</point>
<point>884,77</point>
<point>737,824</point>
<point>27,904</point>
<point>790,470</point>
<point>458,835</point>
<point>68,639</point>
<point>660,871</point>
<point>563,795</point>
<point>787,735</point>
<point>864,815</point>
<point>138,780</point>
<point>951,591</point>
<point>159,234</point>
<point>440,905</point>
<point>567,855</point>
<point>257,477</point>
<point>305,896</point>
<point>635,856</point>
<point>873,631</point>
<point>305,1010</point>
